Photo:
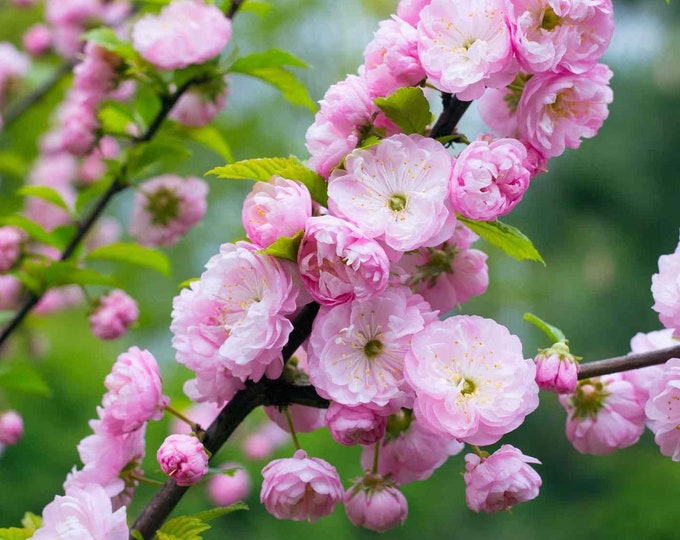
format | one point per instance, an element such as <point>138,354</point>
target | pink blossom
<point>396,192</point>
<point>11,240</point>
<point>356,352</point>
<point>556,110</point>
<point>113,315</point>
<point>666,291</point>
<point>201,104</point>
<point>233,322</point>
<point>550,35</point>
<point>345,111</point>
<point>55,170</point>
<point>498,106</point>
<point>166,208</point>
<point>556,369</point>
<point>642,379</point>
<point>489,179</point>
<point>78,119</point>
<point>355,425</point>
<point>304,419</point>
<point>185,32</point>
<point>93,166</point>
<point>10,292</point>
<point>59,13</point>
<point>37,40</point>
<point>184,458</point>
<point>500,481</point>
<point>465,47</point>
<point>603,415</point>
<point>231,486</point>
<point>471,379</point>
<point>134,393</point>
<point>409,10</point>
<point>95,74</point>
<point>66,37</point>
<point>11,427</point>
<point>391,59</point>
<point>264,440</point>
<point>339,263</point>
<point>300,488</point>
<point>13,67</point>
<point>107,231</point>
<point>412,454</point>
<point>663,409</point>
<point>83,512</point>
<point>375,504</point>
<point>276,208</point>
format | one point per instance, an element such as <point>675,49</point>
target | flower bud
<point>355,425</point>
<point>375,504</point>
<point>113,315</point>
<point>184,458</point>
<point>557,369</point>
<point>11,427</point>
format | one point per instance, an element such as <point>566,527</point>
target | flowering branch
<point>628,362</point>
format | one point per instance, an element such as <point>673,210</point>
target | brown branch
<point>454,109</point>
<point>628,362</point>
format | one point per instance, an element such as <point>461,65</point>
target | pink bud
<point>37,39</point>
<point>376,507</point>
<point>10,247</point>
<point>227,488</point>
<point>355,425</point>
<point>11,427</point>
<point>184,458</point>
<point>556,369</point>
<point>114,315</point>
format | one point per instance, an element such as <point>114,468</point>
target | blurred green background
<point>600,217</point>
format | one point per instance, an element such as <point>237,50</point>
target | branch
<point>454,109</point>
<point>628,362</point>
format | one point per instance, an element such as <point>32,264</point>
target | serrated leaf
<point>554,334</point>
<point>408,108</point>
<point>505,237</point>
<point>34,230</point>
<point>45,193</point>
<point>66,273</point>
<point>106,37</point>
<point>31,522</point>
<point>285,247</point>
<point>214,513</point>
<point>259,8</point>
<point>14,533</point>
<point>183,528</point>
<point>263,169</point>
<point>210,137</point>
<point>23,377</point>
<point>115,118</point>
<point>132,253</point>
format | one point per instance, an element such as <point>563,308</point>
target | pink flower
<point>465,47</point>
<point>396,192</point>
<point>201,104</point>
<point>83,513</point>
<point>489,179</point>
<point>37,40</point>
<point>13,67</point>
<point>500,481</point>
<point>556,369</point>
<point>11,427</point>
<point>409,10</point>
<point>557,109</point>
<point>11,240</point>
<point>603,415</point>
<point>276,208</point>
<point>264,440</point>
<point>471,379</point>
<point>10,293</point>
<point>345,110</point>
<point>644,378</point>
<point>391,59</point>
<point>59,13</point>
<point>666,291</point>
<point>113,315</point>
<point>184,458</point>
<point>357,350</point>
<point>663,409</point>
<point>355,425</point>
<point>305,419</point>
<point>549,35</point>
<point>183,33</point>
<point>339,263</point>
<point>300,488</point>
<point>229,487</point>
<point>414,453</point>
<point>134,393</point>
<point>375,504</point>
<point>165,208</point>
<point>497,107</point>
<point>55,170</point>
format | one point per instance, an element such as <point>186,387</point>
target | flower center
<point>588,399</point>
<point>397,202</point>
<point>373,348</point>
<point>550,20</point>
<point>469,387</point>
<point>163,205</point>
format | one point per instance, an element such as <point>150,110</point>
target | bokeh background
<point>600,217</point>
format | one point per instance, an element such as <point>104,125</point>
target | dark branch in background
<point>454,109</point>
<point>235,5</point>
<point>39,93</point>
<point>628,362</point>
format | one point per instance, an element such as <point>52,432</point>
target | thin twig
<point>628,362</point>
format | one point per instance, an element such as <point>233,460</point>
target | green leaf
<point>23,377</point>
<point>132,253</point>
<point>554,334</point>
<point>162,150</point>
<point>408,108</point>
<point>213,513</point>
<point>285,247</point>
<point>45,193</point>
<point>266,59</point>
<point>210,137</point>
<point>115,118</point>
<point>182,528</point>
<point>34,230</point>
<point>31,522</point>
<point>505,237</point>
<point>106,37</point>
<point>259,8</point>
<point>263,169</point>
<point>136,534</point>
<point>66,273</point>
<point>14,533</point>
<point>11,164</point>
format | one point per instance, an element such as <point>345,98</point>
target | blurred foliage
<point>600,218</point>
